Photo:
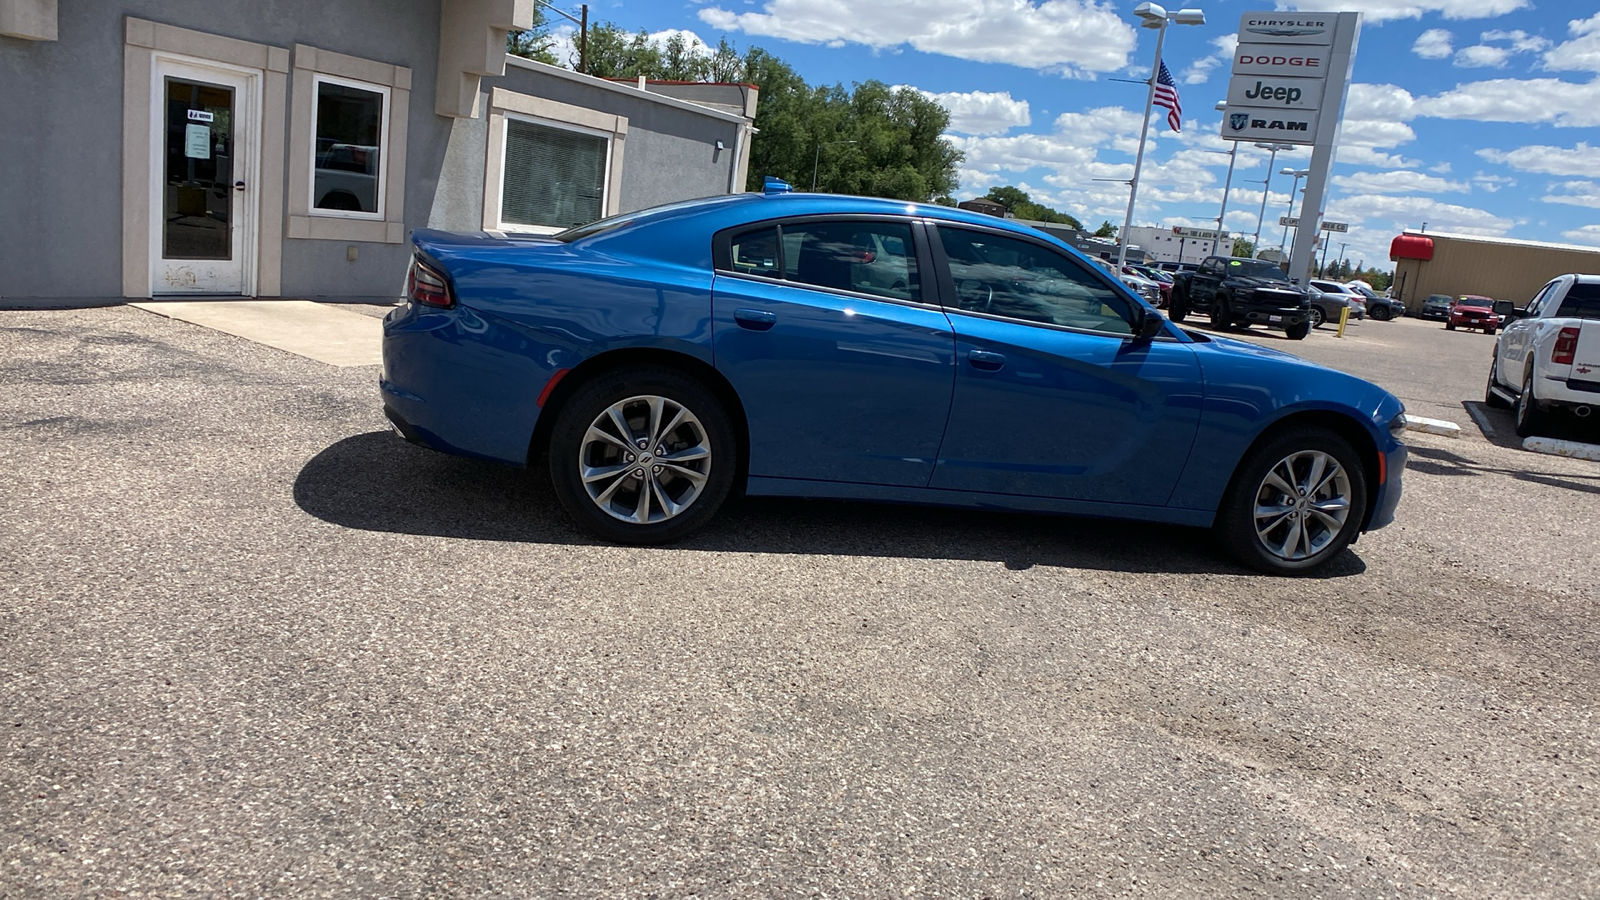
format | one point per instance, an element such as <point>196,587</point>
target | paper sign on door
<point>197,141</point>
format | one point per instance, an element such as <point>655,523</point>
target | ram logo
<point>1238,121</point>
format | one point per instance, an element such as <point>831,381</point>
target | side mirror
<point>1151,325</point>
<point>1504,308</point>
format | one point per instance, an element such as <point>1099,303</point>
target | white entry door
<point>203,193</point>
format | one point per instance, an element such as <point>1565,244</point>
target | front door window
<point>198,192</point>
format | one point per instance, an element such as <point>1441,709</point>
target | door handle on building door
<point>238,185</point>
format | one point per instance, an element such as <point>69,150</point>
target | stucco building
<point>204,148</point>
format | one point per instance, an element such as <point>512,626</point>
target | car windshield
<point>599,226</point>
<point>1476,302</point>
<point>1256,268</point>
<point>1437,300</point>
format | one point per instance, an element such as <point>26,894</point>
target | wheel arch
<point>1342,424</point>
<point>601,363</point>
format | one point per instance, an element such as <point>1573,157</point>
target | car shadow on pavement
<point>1503,426</point>
<point>376,482</point>
<point>1433,461</point>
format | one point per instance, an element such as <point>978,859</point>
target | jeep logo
<point>1288,95</point>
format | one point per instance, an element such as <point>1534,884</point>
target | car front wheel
<point>1220,314</point>
<point>642,455</point>
<point>1317,317</point>
<point>1296,501</point>
<point>1178,306</point>
<point>1490,398</point>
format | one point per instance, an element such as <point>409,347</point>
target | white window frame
<point>605,179</point>
<point>540,111</point>
<point>311,68</point>
<point>381,190</point>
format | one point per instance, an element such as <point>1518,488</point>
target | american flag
<point>1167,98</point>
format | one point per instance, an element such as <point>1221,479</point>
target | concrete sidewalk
<point>324,332</point>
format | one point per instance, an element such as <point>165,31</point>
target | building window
<point>550,166</point>
<point>347,148</point>
<point>348,174</point>
<point>552,177</point>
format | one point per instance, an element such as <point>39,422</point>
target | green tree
<point>615,53</point>
<point>1242,247</point>
<point>1017,202</point>
<point>533,43</point>
<point>1106,230</point>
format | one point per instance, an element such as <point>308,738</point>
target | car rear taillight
<point>1565,346</point>
<point>425,285</point>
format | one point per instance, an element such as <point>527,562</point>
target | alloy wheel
<point>1302,505</point>
<point>645,459</point>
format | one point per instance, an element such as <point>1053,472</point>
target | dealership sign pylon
<point>1291,73</point>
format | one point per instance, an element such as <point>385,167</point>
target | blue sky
<point>1471,116</point>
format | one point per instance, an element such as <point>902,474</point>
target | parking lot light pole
<point>1298,174</point>
<point>1155,16</point>
<point>1266,188</point>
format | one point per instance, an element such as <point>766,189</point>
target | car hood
<point>1271,283</point>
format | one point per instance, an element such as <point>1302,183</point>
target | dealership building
<point>1431,262</point>
<point>287,149</point>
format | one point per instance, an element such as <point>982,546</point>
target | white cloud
<point>1375,119</point>
<point>1488,55</point>
<point>1587,234</point>
<point>1400,212</point>
<point>1200,71</point>
<point>1395,182</point>
<point>1072,37</point>
<point>1440,169</point>
<point>1546,160</point>
<point>1432,44</point>
<point>1582,53</point>
<point>1574,193</point>
<point>1564,104</point>
<point>1492,183</point>
<point>1482,56</point>
<point>981,112</point>
<point>1375,11</point>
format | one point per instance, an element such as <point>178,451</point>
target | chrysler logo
<point>1286,32</point>
<point>1237,121</point>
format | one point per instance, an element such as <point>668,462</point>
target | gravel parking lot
<point>252,644</point>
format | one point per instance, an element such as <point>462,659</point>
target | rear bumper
<point>453,381</point>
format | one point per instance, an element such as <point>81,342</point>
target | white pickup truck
<point>1547,357</point>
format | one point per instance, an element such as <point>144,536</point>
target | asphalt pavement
<point>252,644</point>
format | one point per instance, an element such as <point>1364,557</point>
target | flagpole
<point>1138,159</point>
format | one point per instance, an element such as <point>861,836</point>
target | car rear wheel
<point>1317,317</point>
<point>1296,502</point>
<point>1530,418</point>
<point>1490,398</point>
<point>1380,313</point>
<point>642,455</point>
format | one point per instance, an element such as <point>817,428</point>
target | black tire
<point>1489,331</point>
<point>1236,520</point>
<point>1490,398</point>
<point>1220,311</point>
<point>570,450</point>
<point>1531,420</point>
<point>1381,313</point>
<point>1178,306</point>
<point>1298,332</point>
<point>1449,326</point>
<point>1317,316</point>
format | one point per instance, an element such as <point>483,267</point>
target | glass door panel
<point>198,191</point>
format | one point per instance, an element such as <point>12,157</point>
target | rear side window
<point>863,257</point>
<point>755,253</point>
<point>1581,302</point>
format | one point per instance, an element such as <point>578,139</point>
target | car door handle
<point>755,319</point>
<point>987,360</point>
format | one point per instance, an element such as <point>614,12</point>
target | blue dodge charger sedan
<point>811,345</point>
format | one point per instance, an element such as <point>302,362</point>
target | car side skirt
<point>836,490</point>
